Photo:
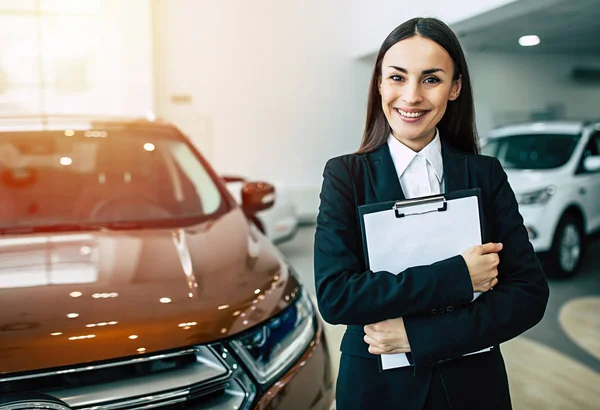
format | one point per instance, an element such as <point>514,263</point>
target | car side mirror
<point>592,163</point>
<point>257,196</point>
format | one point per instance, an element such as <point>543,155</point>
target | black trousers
<point>436,396</point>
<point>361,386</point>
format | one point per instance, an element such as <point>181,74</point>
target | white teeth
<point>410,114</point>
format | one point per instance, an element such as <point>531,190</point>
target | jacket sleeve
<point>348,295</point>
<point>517,303</point>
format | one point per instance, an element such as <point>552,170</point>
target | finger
<point>375,350</point>
<point>492,258</point>
<point>380,349</point>
<point>400,350</point>
<point>496,259</point>
<point>370,331</point>
<point>490,247</point>
<point>373,342</point>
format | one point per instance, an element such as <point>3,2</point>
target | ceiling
<point>564,26</point>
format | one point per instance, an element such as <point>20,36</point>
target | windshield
<point>112,177</point>
<point>537,151</point>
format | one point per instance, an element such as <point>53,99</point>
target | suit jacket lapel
<point>456,170</point>
<point>386,184</point>
<point>384,178</point>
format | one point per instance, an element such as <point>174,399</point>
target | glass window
<point>102,176</point>
<point>537,151</point>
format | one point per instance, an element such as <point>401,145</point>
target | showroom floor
<point>555,365</point>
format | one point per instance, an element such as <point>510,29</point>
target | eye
<point>396,77</point>
<point>432,80</point>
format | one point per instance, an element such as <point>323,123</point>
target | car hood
<point>73,298</point>
<point>523,180</point>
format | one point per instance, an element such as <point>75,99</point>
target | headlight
<point>272,348</point>
<point>537,197</point>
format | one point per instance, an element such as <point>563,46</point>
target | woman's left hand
<point>387,337</point>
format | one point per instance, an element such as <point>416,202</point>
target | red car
<point>130,278</point>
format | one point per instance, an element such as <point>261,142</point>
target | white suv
<point>554,169</point>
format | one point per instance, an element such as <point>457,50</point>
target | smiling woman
<point>420,140</point>
<point>414,97</point>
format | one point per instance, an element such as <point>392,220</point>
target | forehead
<point>417,53</point>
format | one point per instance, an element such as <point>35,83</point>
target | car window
<point>536,151</point>
<point>594,146</point>
<point>102,176</point>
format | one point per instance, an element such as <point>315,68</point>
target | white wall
<point>509,87</point>
<point>272,89</point>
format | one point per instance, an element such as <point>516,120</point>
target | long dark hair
<point>457,126</point>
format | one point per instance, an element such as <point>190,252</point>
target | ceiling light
<point>56,334</point>
<point>132,337</point>
<point>528,41</point>
<point>149,147</point>
<point>75,294</point>
<point>66,161</point>
<point>165,300</point>
<point>73,315</point>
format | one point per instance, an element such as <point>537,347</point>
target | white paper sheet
<point>395,244</point>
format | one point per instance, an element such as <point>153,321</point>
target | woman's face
<point>415,86</point>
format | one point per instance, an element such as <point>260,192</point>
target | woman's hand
<point>387,337</point>
<point>483,261</point>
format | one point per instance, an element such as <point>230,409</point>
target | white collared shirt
<point>420,173</point>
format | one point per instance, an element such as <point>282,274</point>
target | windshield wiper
<point>63,227</point>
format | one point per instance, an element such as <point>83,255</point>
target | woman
<point>419,140</point>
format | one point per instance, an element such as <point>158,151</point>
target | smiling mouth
<point>410,114</point>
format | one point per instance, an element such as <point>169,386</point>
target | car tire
<point>567,247</point>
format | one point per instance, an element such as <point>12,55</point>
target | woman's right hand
<point>482,262</point>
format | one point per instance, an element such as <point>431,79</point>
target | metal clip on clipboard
<point>412,202</point>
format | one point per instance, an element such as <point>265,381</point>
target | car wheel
<point>567,248</point>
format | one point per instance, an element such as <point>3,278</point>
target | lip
<point>411,120</point>
<point>411,110</point>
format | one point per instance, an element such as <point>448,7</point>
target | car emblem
<point>34,401</point>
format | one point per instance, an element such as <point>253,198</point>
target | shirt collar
<point>402,156</point>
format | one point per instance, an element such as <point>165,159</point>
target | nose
<point>412,93</point>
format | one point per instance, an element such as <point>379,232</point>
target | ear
<point>456,88</point>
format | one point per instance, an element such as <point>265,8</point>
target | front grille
<point>191,379</point>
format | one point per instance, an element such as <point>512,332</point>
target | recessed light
<point>165,300</point>
<point>73,315</point>
<point>75,294</point>
<point>528,41</point>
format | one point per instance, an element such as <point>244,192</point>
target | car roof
<point>74,122</point>
<point>542,127</point>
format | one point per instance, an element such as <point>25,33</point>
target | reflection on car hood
<point>74,298</point>
<point>523,180</point>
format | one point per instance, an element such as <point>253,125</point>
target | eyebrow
<point>424,72</point>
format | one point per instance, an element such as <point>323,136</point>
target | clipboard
<point>401,234</point>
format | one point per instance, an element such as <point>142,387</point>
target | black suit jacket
<point>434,300</point>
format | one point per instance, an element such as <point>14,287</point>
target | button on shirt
<point>420,173</point>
